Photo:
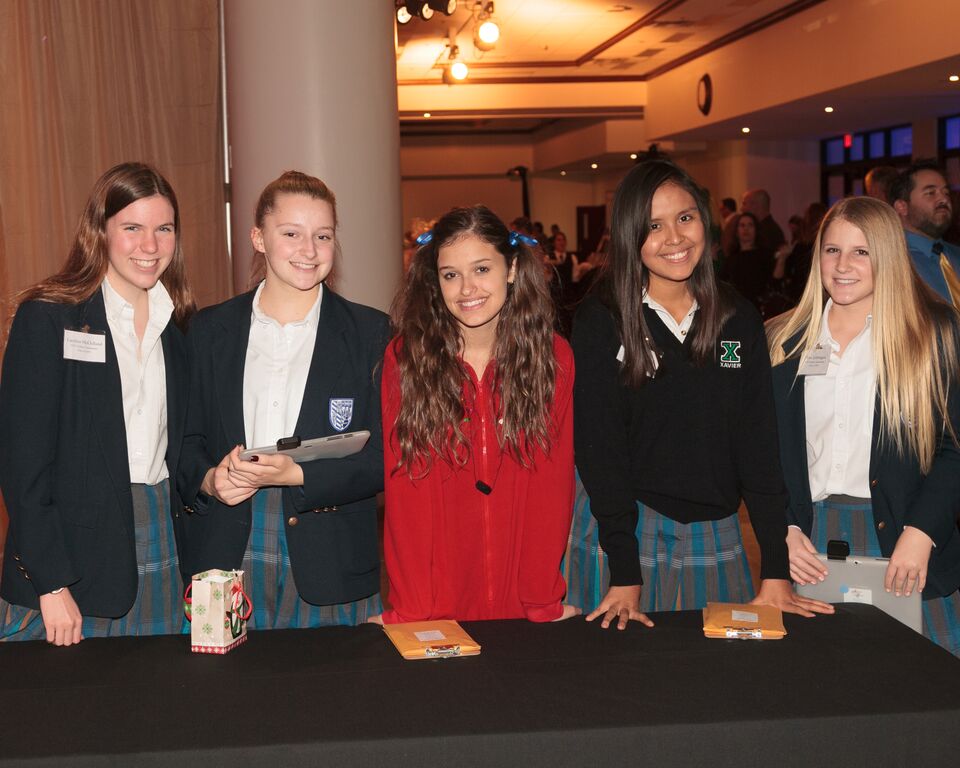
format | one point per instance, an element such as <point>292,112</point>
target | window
<point>845,160</point>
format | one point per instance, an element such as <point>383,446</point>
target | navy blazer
<point>900,494</point>
<point>331,521</point>
<point>63,460</point>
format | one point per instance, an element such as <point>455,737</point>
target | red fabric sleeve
<point>408,517</point>
<point>549,505</point>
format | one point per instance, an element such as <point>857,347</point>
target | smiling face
<point>298,239</point>
<point>473,278</point>
<point>846,269</point>
<point>676,238</point>
<point>141,241</point>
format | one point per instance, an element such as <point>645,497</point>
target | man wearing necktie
<point>922,198</point>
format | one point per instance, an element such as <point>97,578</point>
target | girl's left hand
<point>780,594</point>
<point>264,470</point>
<point>908,563</point>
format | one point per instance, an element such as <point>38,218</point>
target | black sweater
<point>690,443</point>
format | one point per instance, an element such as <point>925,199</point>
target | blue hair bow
<point>516,237</point>
<point>425,237</point>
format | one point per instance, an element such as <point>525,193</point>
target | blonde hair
<point>913,332</point>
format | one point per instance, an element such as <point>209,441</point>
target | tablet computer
<point>331,447</point>
<point>860,580</point>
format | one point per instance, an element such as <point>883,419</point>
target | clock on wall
<point>705,94</point>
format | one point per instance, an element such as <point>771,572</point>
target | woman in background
<point>92,402</point>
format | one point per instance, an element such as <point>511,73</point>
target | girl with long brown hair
<point>289,358</point>
<point>479,454</point>
<point>92,402</point>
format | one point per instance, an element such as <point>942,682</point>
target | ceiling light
<point>459,70</point>
<point>426,114</point>
<point>745,129</point>
<point>594,166</point>
<point>633,155</point>
<point>954,78</point>
<point>828,110</point>
<point>403,15</point>
<point>486,31</point>
<point>563,173</point>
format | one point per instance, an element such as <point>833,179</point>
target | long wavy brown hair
<point>86,265</point>
<point>429,345</point>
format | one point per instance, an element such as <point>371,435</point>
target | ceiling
<point>581,40</point>
<point>597,41</point>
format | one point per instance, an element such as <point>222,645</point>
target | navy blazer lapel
<point>230,358</point>
<point>326,368</point>
<point>791,384</point>
<point>104,394</point>
<point>175,369</point>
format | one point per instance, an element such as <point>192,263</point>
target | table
<point>856,688</point>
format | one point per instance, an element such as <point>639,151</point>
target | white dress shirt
<point>143,381</point>
<point>275,374</point>
<point>839,413</point>
<point>680,329</point>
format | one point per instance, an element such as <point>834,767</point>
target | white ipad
<point>860,580</point>
<point>331,447</point>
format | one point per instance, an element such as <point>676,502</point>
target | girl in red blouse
<point>477,412</point>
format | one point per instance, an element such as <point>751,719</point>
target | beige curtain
<point>86,84</point>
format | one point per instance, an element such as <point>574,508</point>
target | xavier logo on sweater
<point>730,357</point>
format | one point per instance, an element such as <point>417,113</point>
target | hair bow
<point>516,237</point>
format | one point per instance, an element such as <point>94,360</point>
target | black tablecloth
<point>856,688</point>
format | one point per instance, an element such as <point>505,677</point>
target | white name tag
<point>85,347</point>
<point>816,362</point>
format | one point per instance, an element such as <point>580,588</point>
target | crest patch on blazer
<point>341,412</point>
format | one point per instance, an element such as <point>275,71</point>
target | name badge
<point>85,347</point>
<point>816,361</point>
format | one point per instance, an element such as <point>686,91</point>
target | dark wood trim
<point>515,80</point>
<point>533,113</point>
<point>738,34</point>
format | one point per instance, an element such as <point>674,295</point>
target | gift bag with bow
<point>218,609</point>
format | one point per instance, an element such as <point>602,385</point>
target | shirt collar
<point>825,336</point>
<point>658,307</point>
<point>312,317</point>
<point>159,301</point>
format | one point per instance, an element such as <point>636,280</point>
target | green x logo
<point>731,352</point>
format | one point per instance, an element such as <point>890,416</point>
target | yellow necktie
<point>949,274</point>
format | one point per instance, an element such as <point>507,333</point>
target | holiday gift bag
<point>218,609</point>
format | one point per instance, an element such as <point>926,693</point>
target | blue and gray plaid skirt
<point>683,565</point>
<point>268,577</point>
<point>158,607</point>
<point>851,520</point>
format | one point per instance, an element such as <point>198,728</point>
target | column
<point>311,86</point>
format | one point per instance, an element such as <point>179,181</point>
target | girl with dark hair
<point>288,358</point>
<point>674,420</point>
<point>92,402</point>
<point>477,395</point>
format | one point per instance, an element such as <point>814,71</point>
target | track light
<point>457,70</point>
<point>486,31</point>
<point>403,14</point>
<point>446,7</point>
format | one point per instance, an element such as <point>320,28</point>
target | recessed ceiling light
<point>563,173</point>
<point>426,114</point>
<point>954,78</point>
<point>828,110</point>
<point>594,166</point>
<point>633,155</point>
<point>745,129</point>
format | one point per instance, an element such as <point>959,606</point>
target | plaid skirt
<point>269,577</point>
<point>852,521</point>
<point>158,607</point>
<point>684,565</point>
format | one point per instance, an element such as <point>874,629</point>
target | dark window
<point>901,141</point>
<point>845,160</point>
